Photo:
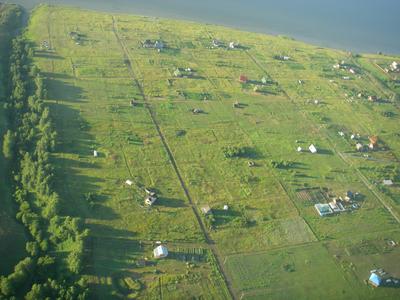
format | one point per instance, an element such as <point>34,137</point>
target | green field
<point>270,241</point>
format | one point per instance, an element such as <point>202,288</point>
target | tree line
<point>28,145</point>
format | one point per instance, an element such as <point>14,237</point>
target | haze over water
<point>356,25</point>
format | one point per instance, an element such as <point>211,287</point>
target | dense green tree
<point>9,144</point>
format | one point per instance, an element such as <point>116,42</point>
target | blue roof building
<point>375,280</point>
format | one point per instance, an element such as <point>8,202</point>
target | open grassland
<point>12,236</point>
<point>270,237</point>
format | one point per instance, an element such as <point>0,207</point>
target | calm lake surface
<point>356,25</point>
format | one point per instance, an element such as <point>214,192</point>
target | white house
<point>95,153</point>
<point>160,252</point>
<point>149,201</point>
<point>129,182</point>
<point>387,182</point>
<point>359,147</point>
<point>299,149</point>
<point>312,149</point>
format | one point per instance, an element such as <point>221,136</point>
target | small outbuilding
<point>299,149</point>
<point>226,207</point>
<point>160,252</point>
<point>129,182</point>
<point>312,149</point>
<point>323,209</point>
<point>206,209</point>
<point>375,280</point>
<point>177,73</point>
<point>387,182</point>
<point>359,147</point>
<point>243,79</point>
<point>95,153</point>
<point>150,200</point>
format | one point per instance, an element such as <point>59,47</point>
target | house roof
<point>323,209</point>
<point>375,279</point>
<point>160,251</point>
<point>312,148</point>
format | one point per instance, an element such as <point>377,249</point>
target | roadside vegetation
<point>27,146</point>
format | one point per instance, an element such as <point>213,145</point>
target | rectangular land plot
<point>304,272</point>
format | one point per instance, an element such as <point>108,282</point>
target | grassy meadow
<point>271,236</point>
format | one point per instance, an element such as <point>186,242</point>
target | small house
<point>336,66</point>
<point>341,133</point>
<point>299,149</point>
<point>346,78</point>
<point>323,209</point>
<point>150,200</point>
<point>349,196</point>
<point>375,280</point>
<point>264,80</point>
<point>394,66</point>
<point>160,252</point>
<point>359,147</point>
<point>352,71</point>
<point>372,98</point>
<point>312,149</point>
<point>95,153</point>
<point>177,73</point>
<point>334,205</point>
<point>373,142</point>
<point>206,209</point>
<point>149,192</point>
<point>216,43</point>
<point>251,163</point>
<point>387,182</point>
<point>129,182</point>
<point>243,79</point>
<point>197,111</point>
<point>159,45</point>
<point>232,45</point>
<point>226,207</point>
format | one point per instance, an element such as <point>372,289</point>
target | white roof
<point>160,251</point>
<point>129,182</point>
<point>387,182</point>
<point>312,148</point>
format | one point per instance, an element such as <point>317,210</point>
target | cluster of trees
<point>282,164</point>
<point>28,146</point>
<point>233,151</point>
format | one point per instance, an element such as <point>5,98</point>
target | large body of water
<point>356,25</point>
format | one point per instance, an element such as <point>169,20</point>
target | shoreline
<point>145,12</point>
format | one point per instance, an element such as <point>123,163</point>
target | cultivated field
<point>269,240</point>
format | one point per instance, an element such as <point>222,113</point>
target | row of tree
<point>28,145</point>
